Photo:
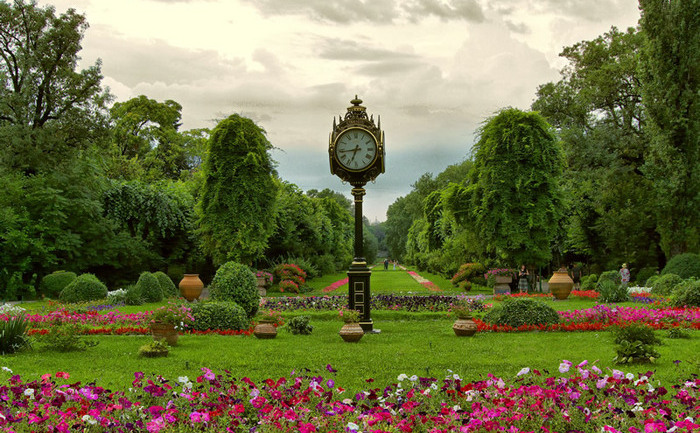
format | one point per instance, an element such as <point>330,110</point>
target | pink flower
<point>564,366</point>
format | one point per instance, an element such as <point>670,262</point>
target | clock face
<point>356,149</point>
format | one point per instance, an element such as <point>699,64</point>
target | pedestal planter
<point>262,285</point>
<point>265,331</point>
<point>351,332</point>
<point>164,331</point>
<point>464,327</point>
<point>560,284</point>
<point>502,286</point>
<point>191,287</point>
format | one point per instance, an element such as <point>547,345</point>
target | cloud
<point>374,11</point>
<point>350,50</point>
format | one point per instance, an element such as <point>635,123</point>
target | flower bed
<point>425,282</point>
<point>584,400</point>
<point>378,302</point>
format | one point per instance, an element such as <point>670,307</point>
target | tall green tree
<point>513,201</point>
<point>48,108</point>
<point>598,114</point>
<point>236,207</point>
<point>670,63</point>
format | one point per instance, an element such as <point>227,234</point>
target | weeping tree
<point>512,201</point>
<point>236,208</point>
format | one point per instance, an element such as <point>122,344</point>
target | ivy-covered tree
<point>670,63</point>
<point>236,207</point>
<point>513,200</point>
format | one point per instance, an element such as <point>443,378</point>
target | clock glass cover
<point>356,149</point>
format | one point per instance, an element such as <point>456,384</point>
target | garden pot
<point>191,287</point>
<point>265,330</point>
<point>165,331</point>
<point>464,327</point>
<point>560,284</point>
<point>351,332</point>
<point>502,286</point>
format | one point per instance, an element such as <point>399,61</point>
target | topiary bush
<point>86,287</point>
<point>664,284</point>
<point>589,282</point>
<point>149,287</point>
<point>219,315</point>
<point>516,312</point>
<point>644,274</point>
<point>52,285</point>
<point>684,265</point>
<point>166,285</point>
<point>611,292</point>
<point>686,294</point>
<point>236,282</point>
<point>467,274</point>
<point>652,280</point>
<point>635,343</point>
<point>613,276</point>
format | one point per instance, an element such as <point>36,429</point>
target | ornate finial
<point>356,102</point>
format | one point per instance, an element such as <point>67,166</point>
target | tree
<point>47,108</point>
<point>598,113</point>
<point>670,63</point>
<point>513,201</point>
<point>236,207</point>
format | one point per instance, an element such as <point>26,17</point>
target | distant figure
<point>523,286</point>
<point>395,264</point>
<point>576,276</point>
<point>624,275</point>
<point>386,264</point>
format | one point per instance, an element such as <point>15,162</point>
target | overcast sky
<point>432,69</point>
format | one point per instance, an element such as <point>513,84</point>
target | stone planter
<point>560,284</point>
<point>502,286</point>
<point>265,331</point>
<point>464,327</point>
<point>351,332</point>
<point>164,331</point>
<point>191,287</point>
<point>262,283</point>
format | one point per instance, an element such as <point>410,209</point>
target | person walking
<point>386,264</point>
<point>523,285</point>
<point>624,275</point>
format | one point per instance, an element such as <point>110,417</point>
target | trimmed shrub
<point>652,280</point>
<point>613,276</point>
<point>86,287</point>
<point>665,284</point>
<point>611,292</point>
<point>644,274</point>
<point>166,285</point>
<point>684,265</point>
<point>219,315</point>
<point>149,287</point>
<point>635,343</point>
<point>516,312</point>
<point>133,295</point>
<point>289,271</point>
<point>300,325</point>
<point>469,273</point>
<point>589,282</point>
<point>236,283</point>
<point>52,285</point>
<point>13,334</point>
<point>686,293</point>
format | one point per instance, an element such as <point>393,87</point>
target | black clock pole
<point>359,273</point>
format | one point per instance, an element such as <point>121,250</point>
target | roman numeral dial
<point>356,149</point>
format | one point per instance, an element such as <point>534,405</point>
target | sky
<point>434,70</point>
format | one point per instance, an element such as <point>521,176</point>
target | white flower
<point>433,386</point>
<point>353,427</point>
<point>88,419</point>
<point>525,370</point>
<point>413,378</point>
<point>456,377</point>
<point>6,369</point>
<point>456,408</point>
<point>402,377</point>
<point>29,392</point>
<point>630,376</point>
<point>183,379</point>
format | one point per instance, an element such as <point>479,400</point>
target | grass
<point>424,347</point>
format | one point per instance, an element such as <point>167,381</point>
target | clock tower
<point>356,153</point>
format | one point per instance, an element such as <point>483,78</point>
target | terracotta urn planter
<point>560,284</point>
<point>351,332</point>
<point>164,331</point>
<point>464,327</point>
<point>502,286</point>
<point>191,287</point>
<point>265,330</point>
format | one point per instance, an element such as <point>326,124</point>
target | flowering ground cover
<point>425,282</point>
<point>584,399</point>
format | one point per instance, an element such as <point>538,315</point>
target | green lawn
<point>424,347</point>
